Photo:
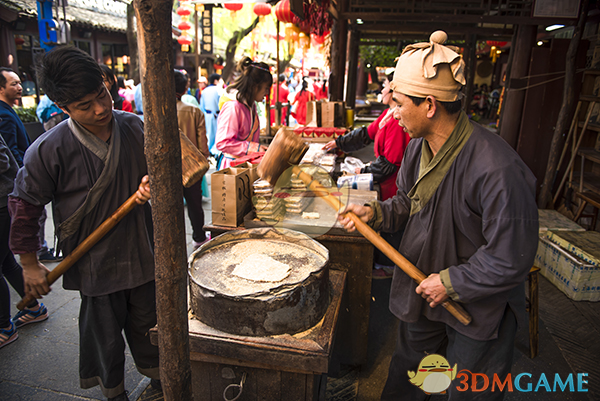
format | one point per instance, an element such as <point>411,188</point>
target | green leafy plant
<point>27,115</point>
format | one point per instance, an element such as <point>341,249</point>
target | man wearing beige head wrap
<point>467,202</point>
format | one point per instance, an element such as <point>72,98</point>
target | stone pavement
<point>43,364</point>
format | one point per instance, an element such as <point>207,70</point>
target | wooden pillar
<point>338,54</point>
<point>197,45</point>
<point>352,68</point>
<point>163,153</point>
<point>471,61</point>
<point>513,104</point>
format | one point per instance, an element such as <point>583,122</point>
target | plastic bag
<point>350,164</point>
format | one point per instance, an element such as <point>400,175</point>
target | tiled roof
<point>112,16</point>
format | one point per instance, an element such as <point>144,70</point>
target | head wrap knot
<point>430,69</point>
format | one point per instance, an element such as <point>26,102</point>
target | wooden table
<point>354,255</point>
<point>284,367</point>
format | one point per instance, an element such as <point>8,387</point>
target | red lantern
<point>19,41</point>
<point>233,6</point>
<point>283,11</point>
<point>262,9</point>
<point>184,26</point>
<point>184,40</point>
<point>183,11</point>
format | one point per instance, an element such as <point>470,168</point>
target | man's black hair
<point>181,82</point>
<point>212,78</point>
<point>450,107</point>
<point>2,77</point>
<point>68,74</point>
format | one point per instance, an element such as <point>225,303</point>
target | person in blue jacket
<point>16,138</point>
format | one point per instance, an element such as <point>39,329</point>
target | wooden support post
<point>534,312</point>
<point>513,104</point>
<point>197,45</point>
<point>471,67</point>
<point>352,68</point>
<point>338,54</point>
<point>277,102</point>
<point>163,153</point>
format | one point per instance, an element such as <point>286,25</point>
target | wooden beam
<point>163,154</point>
<point>404,29</point>
<point>333,11</point>
<point>457,18</point>
<point>378,43</point>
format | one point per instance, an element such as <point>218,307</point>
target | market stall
<point>242,201</point>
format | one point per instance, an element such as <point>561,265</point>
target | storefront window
<point>27,47</point>
<point>84,45</point>
<point>116,56</point>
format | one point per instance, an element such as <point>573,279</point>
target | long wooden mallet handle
<point>85,246</point>
<point>417,275</point>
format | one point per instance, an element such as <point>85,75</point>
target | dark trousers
<point>416,340</point>
<point>9,269</point>
<point>193,198</point>
<point>101,346</point>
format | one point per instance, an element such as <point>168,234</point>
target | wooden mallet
<point>275,162</point>
<point>194,165</point>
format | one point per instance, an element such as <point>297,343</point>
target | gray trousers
<point>102,321</point>
<point>416,340</point>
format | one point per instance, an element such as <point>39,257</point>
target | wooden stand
<point>352,254</point>
<point>285,367</point>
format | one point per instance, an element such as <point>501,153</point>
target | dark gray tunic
<point>59,169</point>
<point>481,224</point>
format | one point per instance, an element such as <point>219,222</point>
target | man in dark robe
<point>87,166</point>
<point>467,202</point>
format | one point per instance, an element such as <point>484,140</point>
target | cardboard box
<point>574,271</point>
<point>333,114</point>
<point>313,114</point>
<point>231,196</point>
<point>551,220</point>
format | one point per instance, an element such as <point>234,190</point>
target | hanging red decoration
<point>233,6</point>
<point>19,41</point>
<point>496,43</point>
<point>317,19</point>
<point>318,39</point>
<point>184,25</point>
<point>184,40</point>
<point>262,9</point>
<point>283,11</point>
<point>183,11</point>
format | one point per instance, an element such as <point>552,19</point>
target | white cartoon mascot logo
<point>434,375</point>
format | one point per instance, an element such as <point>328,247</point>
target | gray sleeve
<point>35,182</point>
<point>510,228</point>
<point>4,157</point>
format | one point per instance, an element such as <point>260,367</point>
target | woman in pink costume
<point>238,127</point>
